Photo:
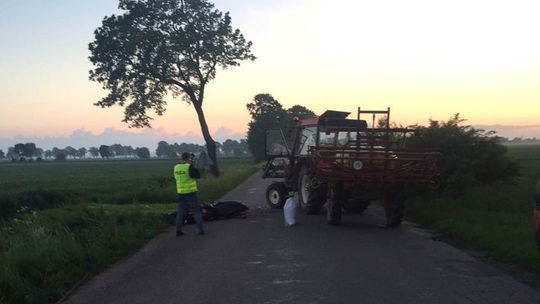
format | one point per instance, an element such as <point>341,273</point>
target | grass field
<point>69,220</point>
<point>51,184</point>
<point>494,219</point>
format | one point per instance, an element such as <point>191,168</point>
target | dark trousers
<point>185,201</point>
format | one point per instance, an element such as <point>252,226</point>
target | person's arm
<point>193,172</point>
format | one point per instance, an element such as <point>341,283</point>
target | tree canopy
<point>157,47</point>
<point>268,113</point>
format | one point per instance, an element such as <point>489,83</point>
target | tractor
<point>346,164</point>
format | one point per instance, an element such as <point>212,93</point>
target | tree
<point>219,147</point>
<point>48,154</point>
<point>118,150</point>
<point>38,153</point>
<point>70,151</point>
<point>163,149</point>
<point>81,152</point>
<point>105,151</point>
<point>28,149</point>
<point>59,154</point>
<point>268,113</point>
<point>2,154</point>
<point>94,151</point>
<point>244,146</point>
<point>300,111</point>
<point>142,152</point>
<point>11,153</point>
<point>229,146</point>
<point>158,47</point>
<point>18,150</point>
<point>129,151</point>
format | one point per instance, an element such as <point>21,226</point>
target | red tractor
<point>346,165</point>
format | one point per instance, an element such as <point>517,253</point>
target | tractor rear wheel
<point>311,198</point>
<point>275,195</point>
<point>394,207</point>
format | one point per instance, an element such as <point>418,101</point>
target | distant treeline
<point>30,152</point>
<point>520,140</point>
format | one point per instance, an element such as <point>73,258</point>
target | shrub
<point>470,156</point>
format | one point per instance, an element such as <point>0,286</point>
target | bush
<point>470,156</point>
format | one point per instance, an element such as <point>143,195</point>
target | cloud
<point>223,133</point>
<point>145,138</point>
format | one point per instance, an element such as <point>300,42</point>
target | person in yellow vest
<point>186,187</point>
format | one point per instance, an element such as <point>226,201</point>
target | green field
<point>495,219</point>
<point>67,221</point>
<point>51,184</point>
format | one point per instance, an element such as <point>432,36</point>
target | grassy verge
<point>495,219</point>
<point>44,253</point>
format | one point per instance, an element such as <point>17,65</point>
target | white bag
<point>289,212</point>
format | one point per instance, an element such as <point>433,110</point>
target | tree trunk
<point>210,143</point>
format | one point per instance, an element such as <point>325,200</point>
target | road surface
<point>260,261</point>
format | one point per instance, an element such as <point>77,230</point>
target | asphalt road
<point>259,260</point>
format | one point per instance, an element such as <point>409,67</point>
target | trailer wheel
<point>310,199</point>
<point>275,195</point>
<point>394,207</point>
<point>334,206</point>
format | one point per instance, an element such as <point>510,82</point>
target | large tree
<point>142,152</point>
<point>94,151</point>
<point>266,113</point>
<point>156,47</point>
<point>105,151</point>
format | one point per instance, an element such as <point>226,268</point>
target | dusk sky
<point>423,58</point>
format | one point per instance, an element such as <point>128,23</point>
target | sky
<point>423,58</point>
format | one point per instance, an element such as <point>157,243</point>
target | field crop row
<point>38,186</point>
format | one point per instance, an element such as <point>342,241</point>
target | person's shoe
<point>179,233</point>
<point>201,233</point>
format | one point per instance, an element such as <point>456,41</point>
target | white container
<point>289,212</point>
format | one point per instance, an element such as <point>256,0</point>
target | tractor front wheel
<point>275,195</point>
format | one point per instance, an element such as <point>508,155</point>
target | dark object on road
<point>211,212</point>
<point>536,215</point>
<point>230,209</point>
<point>346,164</point>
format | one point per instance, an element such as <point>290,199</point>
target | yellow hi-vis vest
<point>184,183</point>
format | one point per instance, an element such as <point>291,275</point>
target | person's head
<point>186,156</point>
